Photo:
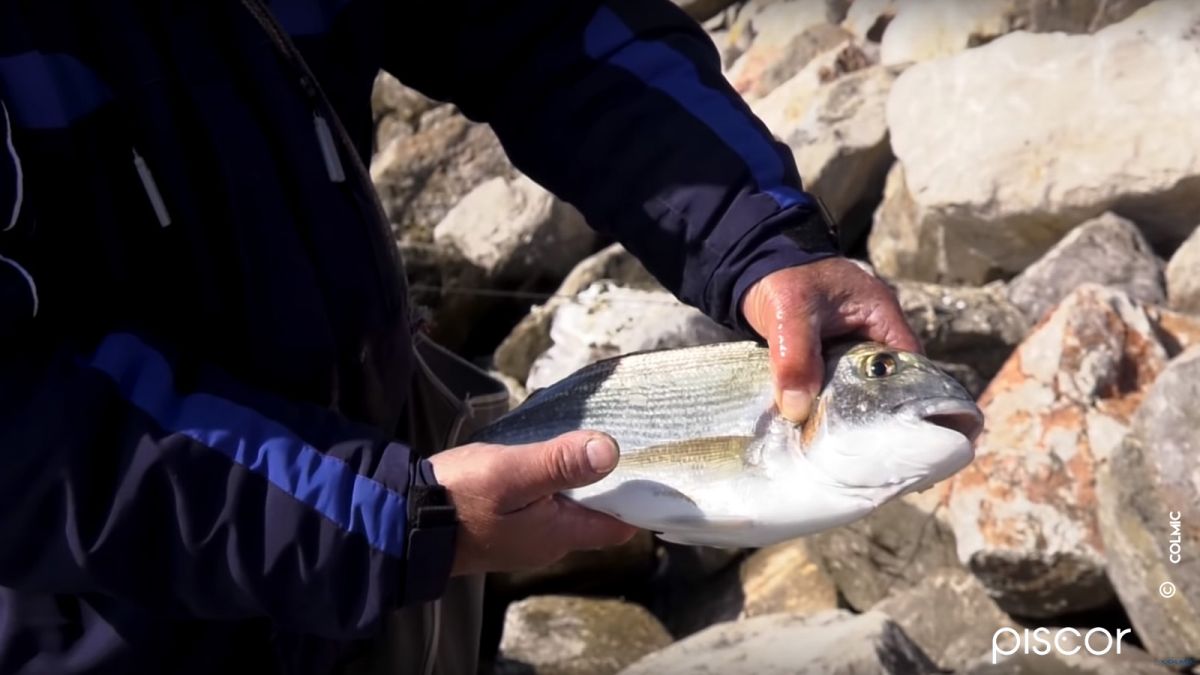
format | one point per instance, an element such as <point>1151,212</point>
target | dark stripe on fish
<point>718,454</point>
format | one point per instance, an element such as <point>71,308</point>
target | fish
<point>706,458</point>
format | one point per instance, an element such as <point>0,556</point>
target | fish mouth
<point>955,414</point>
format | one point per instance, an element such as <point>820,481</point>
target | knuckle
<point>560,461</point>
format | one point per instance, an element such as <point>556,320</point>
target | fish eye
<point>880,365</point>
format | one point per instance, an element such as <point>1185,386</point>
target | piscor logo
<point>1036,641</point>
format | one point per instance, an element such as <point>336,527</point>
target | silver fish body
<point>706,459</point>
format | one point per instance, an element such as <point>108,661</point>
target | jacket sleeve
<point>141,476</point>
<point>620,108</point>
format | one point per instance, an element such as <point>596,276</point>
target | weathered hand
<point>510,517</point>
<point>794,309</point>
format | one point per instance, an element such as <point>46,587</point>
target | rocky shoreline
<point>1025,174</point>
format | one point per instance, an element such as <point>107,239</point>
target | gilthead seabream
<point>706,459</point>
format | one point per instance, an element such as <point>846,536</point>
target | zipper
<point>332,137</point>
<point>333,164</point>
<point>151,188</point>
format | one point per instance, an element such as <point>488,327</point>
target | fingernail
<point>602,454</point>
<point>795,404</point>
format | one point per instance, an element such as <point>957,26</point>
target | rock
<point>606,320</point>
<point>930,29</point>
<point>784,578</point>
<point>397,109</point>
<point>421,176</point>
<point>997,179</point>
<point>948,615</point>
<point>786,108</point>
<point>831,643</point>
<point>514,230</point>
<point>516,390</point>
<point>531,337</point>
<point>1178,332</point>
<point>897,244</point>
<point>703,10</point>
<point>756,75</point>
<point>931,23</point>
<point>1183,276</point>
<point>1023,512</point>
<point>973,327</point>
<point>967,376</point>
<point>1108,250</point>
<point>869,19</point>
<point>434,274</point>
<point>613,570</point>
<point>893,549</point>
<point>1149,498</point>
<point>563,635</point>
<point>776,32</point>
<point>1072,16</point>
<point>841,143</point>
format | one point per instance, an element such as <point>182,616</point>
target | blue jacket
<point>204,338</point>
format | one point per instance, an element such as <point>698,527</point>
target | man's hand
<point>795,308</point>
<point>509,515</point>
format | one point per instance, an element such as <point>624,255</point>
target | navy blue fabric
<point>354,502</point>
<point>203,428</point>
<point>49,91</point>
<point>608,38</point>
<point>304,18</point>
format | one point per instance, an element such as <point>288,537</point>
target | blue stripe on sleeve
<point>265,447</point>
<point>609,39</point>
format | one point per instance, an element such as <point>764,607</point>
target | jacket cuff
<point>795,240</point>
<point>432,534</point>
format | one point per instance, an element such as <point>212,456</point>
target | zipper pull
<point>151,188</point>
<point>333,164</point>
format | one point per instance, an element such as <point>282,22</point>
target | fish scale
<point>650,398</point>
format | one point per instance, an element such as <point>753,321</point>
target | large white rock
<point>1183,276</point>
<point>841,144</point>
<point>511,229</point>
<point>930,29</point>
<point>1007,146</point>
<point>606,320</point>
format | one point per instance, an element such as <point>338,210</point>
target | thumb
<point>571,460</point>
<point>797,363</point>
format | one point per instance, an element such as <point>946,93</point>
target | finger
<point>877,316</point>
<point>578,528</point>
<point>537,470</point>
<point>796,359</point>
